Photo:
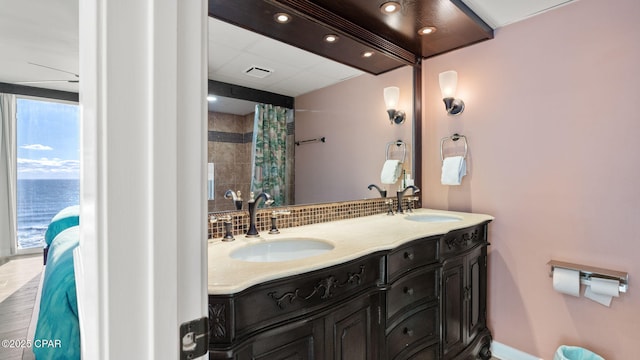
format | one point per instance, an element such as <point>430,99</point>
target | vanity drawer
<point>418,287</point>
<point>421,327</point>
<point>269,303</point>
<point>415,254</point>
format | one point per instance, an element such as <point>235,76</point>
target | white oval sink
<point>433,218</point>
<point>281,250</point>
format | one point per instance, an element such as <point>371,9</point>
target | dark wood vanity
<point>425,299</point>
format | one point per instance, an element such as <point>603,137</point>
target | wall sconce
<point>448,84</point>
<point>391,99</point>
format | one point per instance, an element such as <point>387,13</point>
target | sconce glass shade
<point>391,97</point>
<point>448,84</point>
<point>391,100</point>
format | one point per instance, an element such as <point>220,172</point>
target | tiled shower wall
<point>229,148</point>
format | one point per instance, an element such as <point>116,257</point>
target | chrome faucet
<point>400,194</point>
<point>252,203</point>
<point>383,193</point>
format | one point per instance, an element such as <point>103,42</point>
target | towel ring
<point>397,143</point>
<point>454,137</point>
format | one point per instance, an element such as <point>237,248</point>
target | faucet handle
<point>228,234</point>
<point>274,216</point>
<point>389,202</point>
<point>281,212</point>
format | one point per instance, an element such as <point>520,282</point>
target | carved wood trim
<point>217,320</point>
<point>324,289</point>
<point>463,240</point>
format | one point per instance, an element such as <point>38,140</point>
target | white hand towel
<point>390,171</point>
<point>453,169</point>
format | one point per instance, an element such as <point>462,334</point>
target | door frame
<point>141,266</point>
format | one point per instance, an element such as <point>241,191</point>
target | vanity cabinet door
<point>476,267</point>
<point>298,341</point>
<point>452,307</point>
<point>352,331</point>
<point>464,299</point>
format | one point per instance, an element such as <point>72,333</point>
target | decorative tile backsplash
<point>302,215</point>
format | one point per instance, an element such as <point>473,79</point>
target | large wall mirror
<point>337,118</point>
<point>336,103</point>
<point>333,102</point>
<point>336,115</point>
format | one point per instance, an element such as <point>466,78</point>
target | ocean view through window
<point>48,165</point>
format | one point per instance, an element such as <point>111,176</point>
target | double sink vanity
<point>408,286</point>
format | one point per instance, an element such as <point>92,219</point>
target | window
<point>48,165</point>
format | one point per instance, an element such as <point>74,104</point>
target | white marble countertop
<point>352,238</point>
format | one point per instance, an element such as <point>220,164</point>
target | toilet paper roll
<point>607,287</point>
<point>602,290</point>
<point>566,281</point>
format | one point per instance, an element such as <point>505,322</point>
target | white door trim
<point>141,263</point>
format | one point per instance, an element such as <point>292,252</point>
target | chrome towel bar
<point>303,142</point>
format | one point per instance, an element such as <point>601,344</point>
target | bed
<point>57,334</point>
<point>64,219</point>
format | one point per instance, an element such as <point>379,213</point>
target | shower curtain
<point>269,152</point>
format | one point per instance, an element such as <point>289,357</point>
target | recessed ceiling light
<point>390,7</point>
<point>331,38</point>
<point>367,54</point>
<point>282,18</point>
<point>427,30</point>
<point>211,98</point>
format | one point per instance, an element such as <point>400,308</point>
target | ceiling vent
<point>258,72</point>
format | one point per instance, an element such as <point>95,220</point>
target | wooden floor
<point>19,280</point>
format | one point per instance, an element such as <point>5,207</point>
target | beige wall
<point>353,118</point>
<point>553,156</point>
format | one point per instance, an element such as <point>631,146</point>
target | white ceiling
<point>45,32</point>
<point>499,13</point>
<point>232,50</point>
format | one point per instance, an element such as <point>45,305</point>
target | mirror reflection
<point>329,100</point>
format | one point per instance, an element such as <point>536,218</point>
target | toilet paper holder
<point>589,272</point>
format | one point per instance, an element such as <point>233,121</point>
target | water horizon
<point>39,200</point>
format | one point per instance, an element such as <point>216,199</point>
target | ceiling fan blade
<point>52,68</point>
<point>47,81</point>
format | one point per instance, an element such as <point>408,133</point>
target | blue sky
<point>48,139</point>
